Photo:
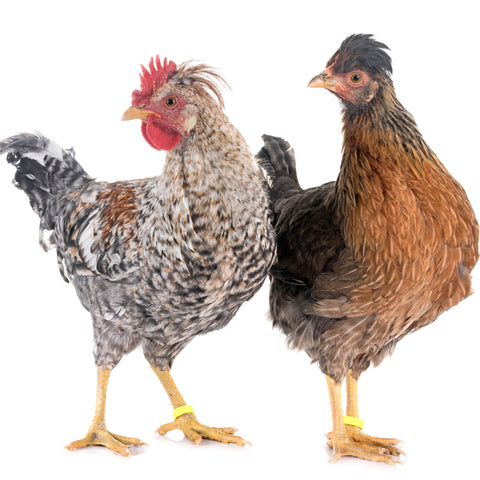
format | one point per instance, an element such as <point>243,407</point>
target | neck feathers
<point>381,139</point>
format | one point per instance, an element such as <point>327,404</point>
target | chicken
<point>373,256</point>
<point>161,260</point>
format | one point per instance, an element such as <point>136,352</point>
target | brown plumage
<point>375,255</point>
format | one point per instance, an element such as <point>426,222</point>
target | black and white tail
<point>45,172</point>
<point>277,158</point>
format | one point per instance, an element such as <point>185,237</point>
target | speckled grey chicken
<point>375,255</point>
<point>160,260</point>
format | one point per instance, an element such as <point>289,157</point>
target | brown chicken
<point>373,256</point>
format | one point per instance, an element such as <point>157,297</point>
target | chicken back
<point>375,255</point>
<point>156,261</point>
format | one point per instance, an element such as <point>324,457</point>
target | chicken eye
<point>171,102</point>
<point>356,78</point>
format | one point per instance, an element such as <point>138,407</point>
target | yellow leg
<point>98,433</point>
<point>340,441</point>
<point>352,396</point>
<point>355,433</point>
<point>188,422</point>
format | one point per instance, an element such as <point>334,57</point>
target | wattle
<point>160,136</point>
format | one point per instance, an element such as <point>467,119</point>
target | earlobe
<point>190,123</point>
<point>370,93</point>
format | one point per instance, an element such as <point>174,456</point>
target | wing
<point>313,257</point>
<point>308,237</point>
<point>97,232</point>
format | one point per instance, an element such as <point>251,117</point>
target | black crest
<point>361,50</point>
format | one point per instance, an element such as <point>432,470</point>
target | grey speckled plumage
<point>160,260</point>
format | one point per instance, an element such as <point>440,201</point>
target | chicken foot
<point>98,433</point>
<point>187,422</point>
<point>344,442</point>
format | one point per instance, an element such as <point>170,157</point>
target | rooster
<point>373,256</point>
<point>161,260</point>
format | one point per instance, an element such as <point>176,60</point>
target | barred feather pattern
<point>160,260</point>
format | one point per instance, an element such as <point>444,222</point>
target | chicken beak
<point>134,113</point>
<point>322,81</point>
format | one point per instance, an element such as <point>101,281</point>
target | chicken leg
<point>187,422</point>
<point>340,440</point>
<point>355,433</point>
<point>98,433</point>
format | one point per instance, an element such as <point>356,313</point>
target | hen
<point>161,260</point>
<point>373,256</point>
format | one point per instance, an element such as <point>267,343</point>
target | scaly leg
<point>98,433</point>
<point>355,433</point>
<point>187,422</point>
<point>340,441</point>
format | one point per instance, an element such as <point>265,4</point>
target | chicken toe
<point>102,437</point>
<point>196,431</point>
<point>347,447</point>
<point>389,444</point>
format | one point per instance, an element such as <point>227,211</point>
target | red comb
<point>153,79</point>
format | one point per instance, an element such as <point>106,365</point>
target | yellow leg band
<point>356,422</point>
<point>182,411</point>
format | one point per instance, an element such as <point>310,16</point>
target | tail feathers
<point>45,172</point>
<point>277,158</point>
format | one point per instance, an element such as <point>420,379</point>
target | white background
<point>67,70</point>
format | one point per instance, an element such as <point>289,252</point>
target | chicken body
<point>375,255</point>
<point>161,260</point>
<point>182,249</point>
